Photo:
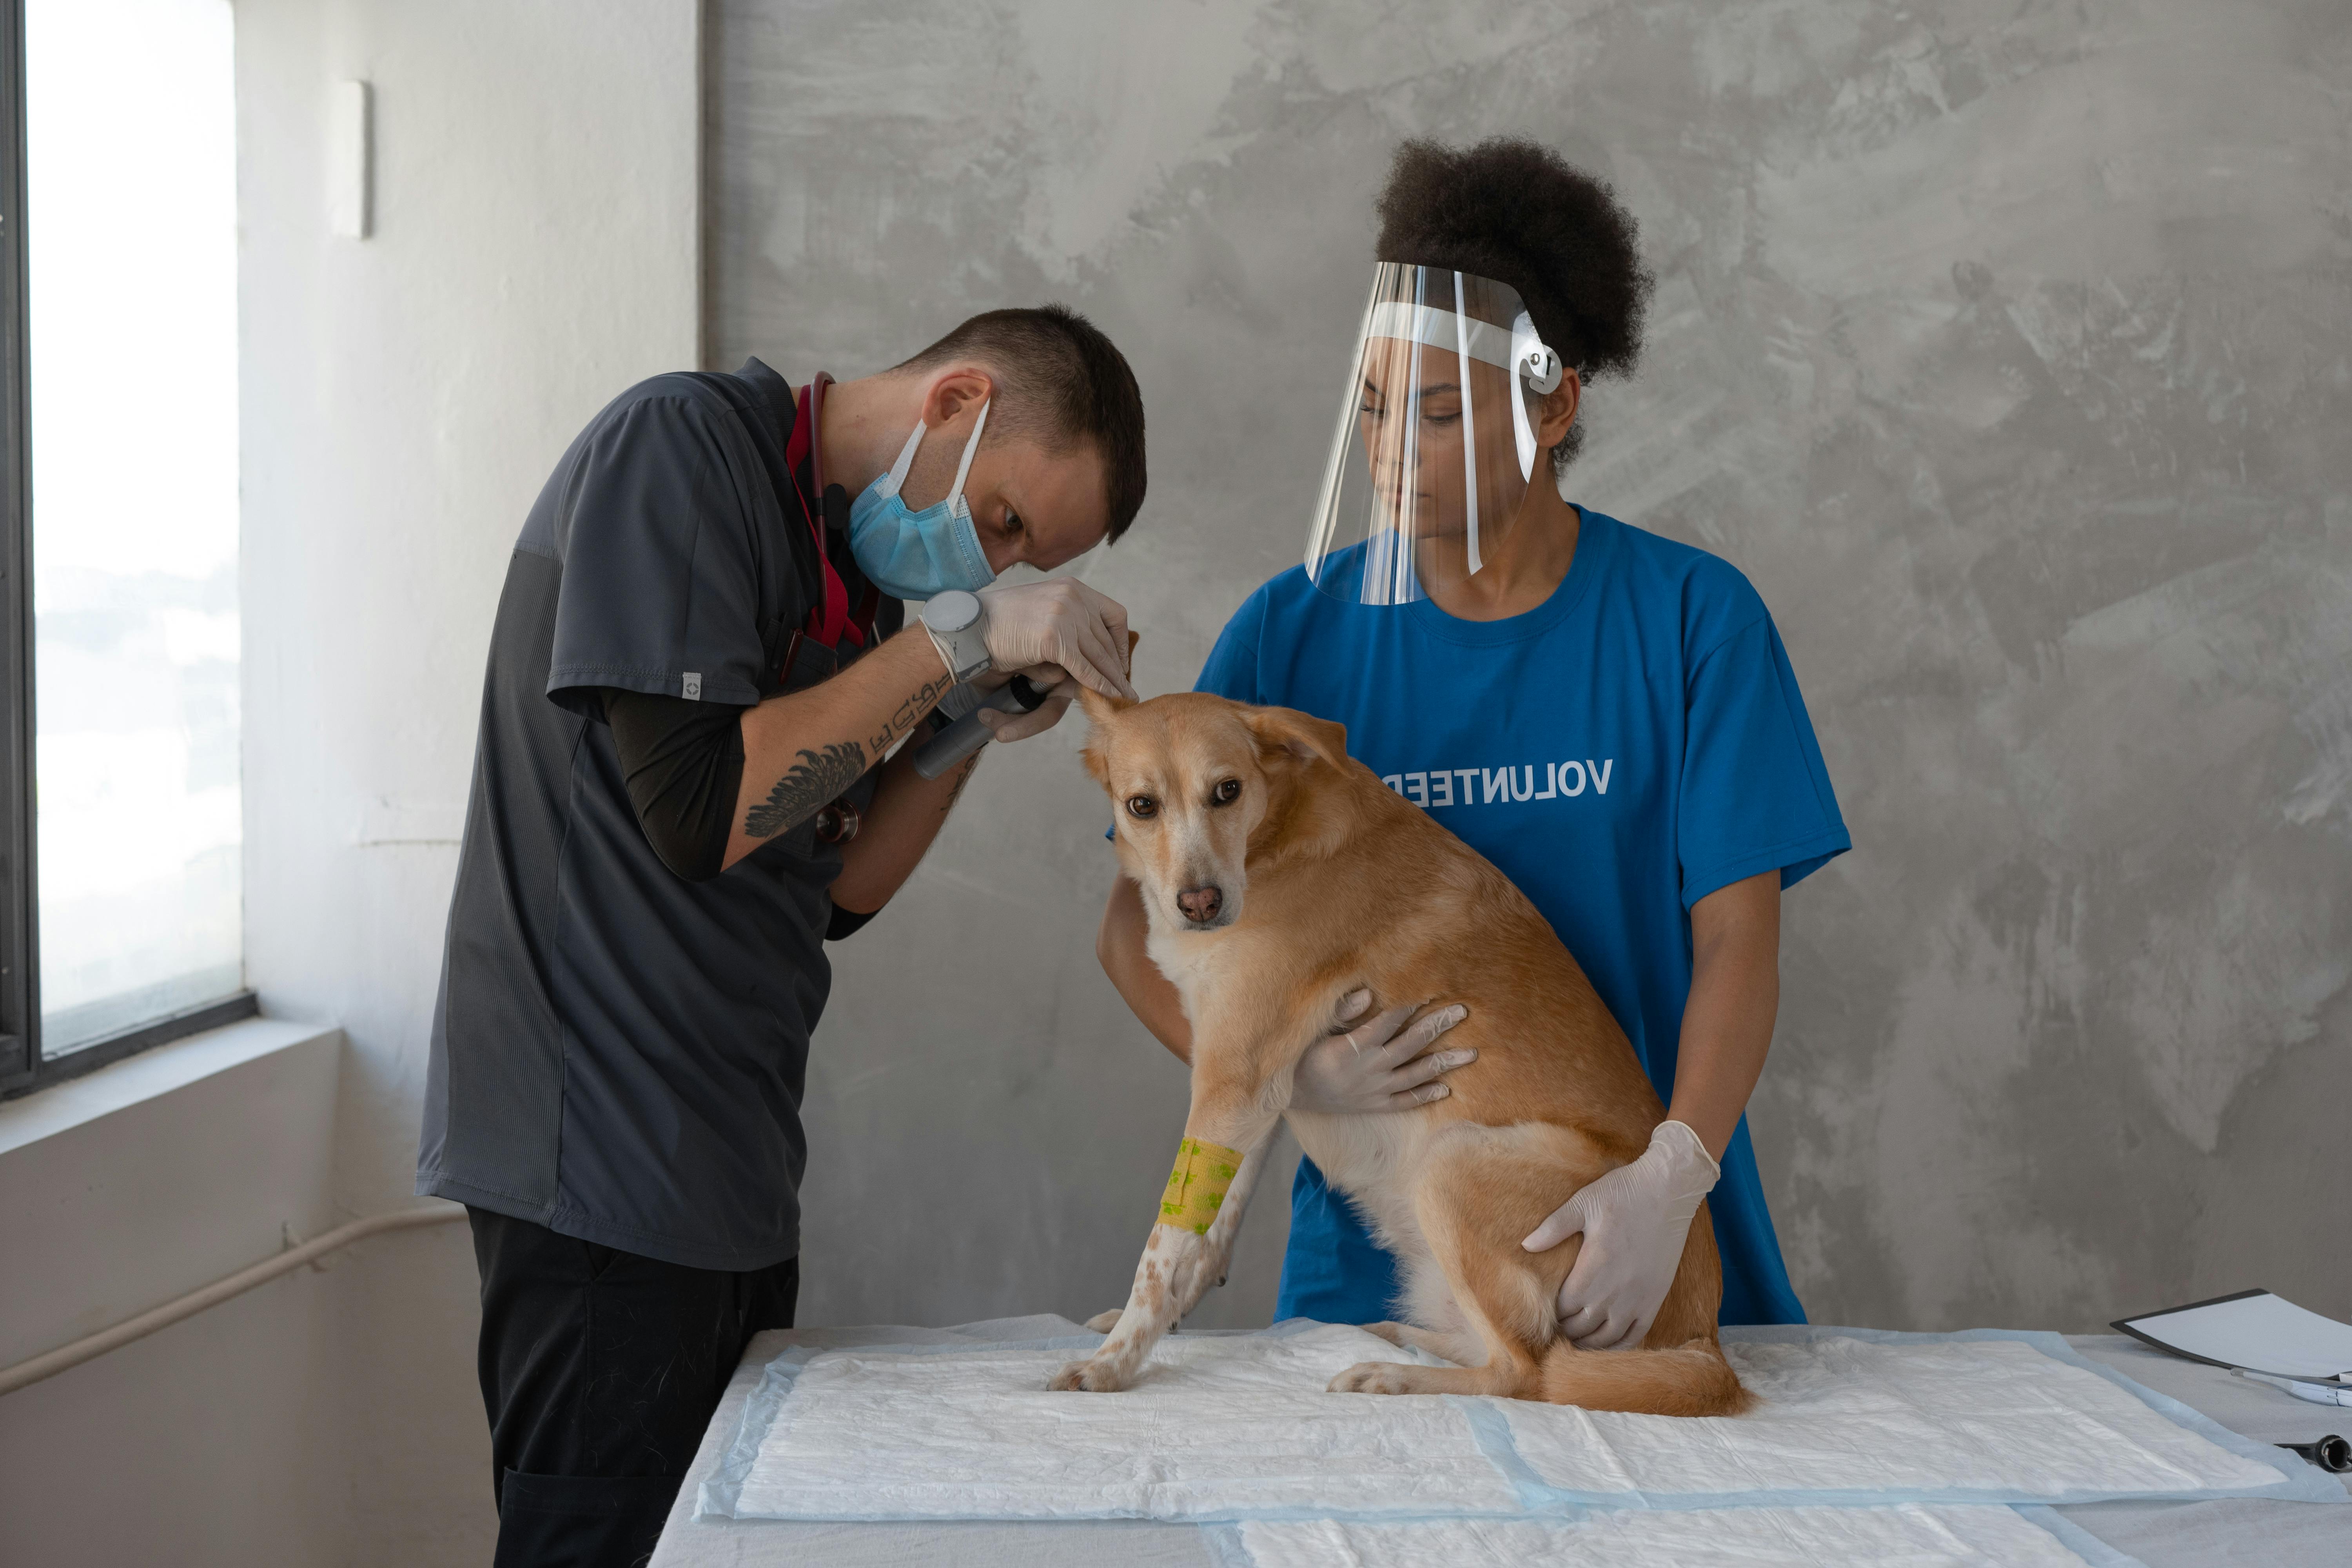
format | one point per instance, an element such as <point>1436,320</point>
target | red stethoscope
<point>830,623</point>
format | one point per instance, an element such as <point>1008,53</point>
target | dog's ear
<point>1100,708</point>
<point>1300,735</point>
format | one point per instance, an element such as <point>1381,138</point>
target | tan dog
<point>1280,876</point>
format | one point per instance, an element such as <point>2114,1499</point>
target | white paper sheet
<point>1239,1428</point>
<point>1913,1537</point>
<point>2262,1333</point>
<point>1216,1427</point>
<point>1951,1421</point>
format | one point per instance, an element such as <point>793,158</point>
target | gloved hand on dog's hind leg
<point>1633,1221</point>
<point>1384,1063</point>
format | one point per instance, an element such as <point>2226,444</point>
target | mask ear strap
<point>898,475</point>
<point>955,494</point>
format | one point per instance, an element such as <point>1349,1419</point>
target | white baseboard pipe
<point>51,1363</point>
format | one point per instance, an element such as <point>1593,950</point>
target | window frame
<point>23,1067</point>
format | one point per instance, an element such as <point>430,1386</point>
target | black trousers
<point>600,1370</point>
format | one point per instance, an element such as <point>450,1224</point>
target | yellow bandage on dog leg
<point>1196,1187</point>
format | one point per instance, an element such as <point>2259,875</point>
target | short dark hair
<point>1066,385</point>
<point>1519,213</point>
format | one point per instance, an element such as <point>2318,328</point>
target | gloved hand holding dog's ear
<point>1062,622</point>
<point>1061,690</point>
<point>1381,1063</point>
<point>1633,1221</point>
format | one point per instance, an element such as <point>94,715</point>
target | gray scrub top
<point>619,1054</point>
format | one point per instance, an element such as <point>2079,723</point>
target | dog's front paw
<point>1372,1377</point>
<point>1103,1322</point>
<point>1087,1377</point>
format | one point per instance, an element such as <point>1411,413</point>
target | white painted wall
<point>535,249</point>
<point>127,1188</point>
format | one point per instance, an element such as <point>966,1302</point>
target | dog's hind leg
<point>1428,1317</point>
<point>1679,1370</point>
<point>1453,1346</point>
<point>1480,1190</point>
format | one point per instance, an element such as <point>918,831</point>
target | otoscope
<point>968,734</point>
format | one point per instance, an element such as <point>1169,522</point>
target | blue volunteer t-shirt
<point>1622,751</point>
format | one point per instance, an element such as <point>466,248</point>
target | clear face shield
<point>1436,449</point>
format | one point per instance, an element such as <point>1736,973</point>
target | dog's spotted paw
<point>1103,1322</point>
<point>1086,1377</point>
<point>1372,1377</point>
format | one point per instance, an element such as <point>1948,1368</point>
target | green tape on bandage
<point>1196,1187</point>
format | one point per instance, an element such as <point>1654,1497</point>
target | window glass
<point>132,292</point>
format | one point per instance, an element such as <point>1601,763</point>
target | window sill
<point>59,1108</point>
<point>99,1054</point>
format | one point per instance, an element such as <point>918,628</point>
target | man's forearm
<point>803,749</point>
<point>907,812</point>
<point>1734,996</point>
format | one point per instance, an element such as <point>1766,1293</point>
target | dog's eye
<point>1226,793</point>
<point>1142,805</point>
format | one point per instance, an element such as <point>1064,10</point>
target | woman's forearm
<point>1735,994</point>
<point>1120,946</point>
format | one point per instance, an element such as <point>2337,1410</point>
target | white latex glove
<point>1380,1065</point>
<point>1060,621</point>
<point>1633,1221</point>
<point>1062,690</point>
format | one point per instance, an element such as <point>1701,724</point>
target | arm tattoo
<point>963,777</point>
<point>918,703</point>
<point>806,785</point>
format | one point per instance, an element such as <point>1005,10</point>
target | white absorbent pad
<point>1913,1535</point>
<point>1849,1416</point>
<point>1232,1427</point>
<point>1218,1426</point>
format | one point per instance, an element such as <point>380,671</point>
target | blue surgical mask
<point>918,554</point>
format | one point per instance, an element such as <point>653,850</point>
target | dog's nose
<point>1201,904</point>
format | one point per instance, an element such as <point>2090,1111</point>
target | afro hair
<point>1518,213</point>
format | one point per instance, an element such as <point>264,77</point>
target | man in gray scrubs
<point>681,793</point>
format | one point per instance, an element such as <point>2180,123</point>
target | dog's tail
<point>1691,1379</point>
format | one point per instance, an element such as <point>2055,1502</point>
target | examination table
<point>2274,1534</point>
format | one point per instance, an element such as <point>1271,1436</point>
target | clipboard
<point>2254,1329</point>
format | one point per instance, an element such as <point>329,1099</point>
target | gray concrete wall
<point>2009,350</point>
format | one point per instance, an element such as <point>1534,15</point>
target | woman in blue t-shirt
<point>1607,715</point>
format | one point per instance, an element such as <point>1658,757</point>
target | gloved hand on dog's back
<point>1381,1063</point>
<point>1633,1221</point>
